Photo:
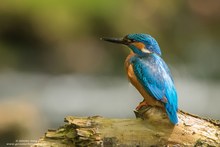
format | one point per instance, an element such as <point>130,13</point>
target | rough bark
<point>152,128</point>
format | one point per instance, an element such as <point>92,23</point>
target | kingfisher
<point>149,74</point>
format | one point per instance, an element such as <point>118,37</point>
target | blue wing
<point>154,75</point>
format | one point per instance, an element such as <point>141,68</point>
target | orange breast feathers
<point>139,45</point>
<point>134,81</point>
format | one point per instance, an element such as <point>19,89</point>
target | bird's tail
<point>172,113</point>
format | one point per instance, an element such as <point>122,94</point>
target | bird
<point>149,74</point>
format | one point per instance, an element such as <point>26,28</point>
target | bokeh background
<point>52,63</point>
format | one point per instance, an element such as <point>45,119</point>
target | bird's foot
<point>151,113</point>
<point>141,109</point>
<point>141,104</point>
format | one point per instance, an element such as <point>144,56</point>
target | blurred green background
<point>52,63</point>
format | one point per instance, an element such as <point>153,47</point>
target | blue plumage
<point>154,75</point>
<point>150,43</point>
<point>151,72</point>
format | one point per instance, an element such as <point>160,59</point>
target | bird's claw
<point>142,104</point>
<point>139,113</point>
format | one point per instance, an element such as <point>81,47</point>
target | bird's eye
<point>128,39</point>
<point>132,40</point>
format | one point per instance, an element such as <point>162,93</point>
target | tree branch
<point>151,129</point>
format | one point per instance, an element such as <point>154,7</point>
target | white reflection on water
<point>58,96</point>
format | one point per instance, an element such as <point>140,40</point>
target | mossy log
<point>152,128</point>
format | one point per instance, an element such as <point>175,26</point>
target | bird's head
<point>140,44</point>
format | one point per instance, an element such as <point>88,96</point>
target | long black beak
<point>115,40</point>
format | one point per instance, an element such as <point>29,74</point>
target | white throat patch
<point>145,50</point>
